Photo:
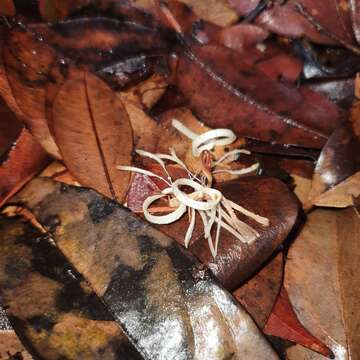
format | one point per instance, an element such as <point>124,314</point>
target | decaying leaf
<point>22,163</point>
<point>153,287</point>
<point>326,253</point>
<point>259,294</point>
<point>283,323</point>
<point>49,303</point>
<point>27,63</point>
<point>226,92</point>
<point>99,139</point>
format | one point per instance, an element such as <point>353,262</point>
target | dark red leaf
<point>226,92</point>
<point>23,162</point>
<point>284,323</point>
<point>7,8</point>
<point>54,10</point>
<point>321,21</point>
<point>259,294</point>
<point>10,127</point>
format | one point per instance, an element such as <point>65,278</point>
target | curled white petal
<point>190,229</point>
<point>234,154</point>
<point>162,219</point>
<point>215,195</point>
<point>179,126</point>
<point>260,219</point>
<point>244,171</point>
<point>212,138</point>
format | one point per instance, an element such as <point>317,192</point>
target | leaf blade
<point>104,139</point>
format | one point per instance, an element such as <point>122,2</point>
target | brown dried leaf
<point>326,253</point>
<point>94,134</point>
<point>147,93</point>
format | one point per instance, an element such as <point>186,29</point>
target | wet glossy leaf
<point>153,287</point>
<point>355,17</point>
<point>283,323</point>
<point>49,303</point>
<point>339,91</point>
<point>226,92</point>
<point>259,294</point>
<point>121,52</point>
<point>21,164</point>
<point>337,173</point>
<point>236,261</point>
<point>99,139</point>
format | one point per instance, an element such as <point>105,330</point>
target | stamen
<point>202,143</point>
<point>209,203</point>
